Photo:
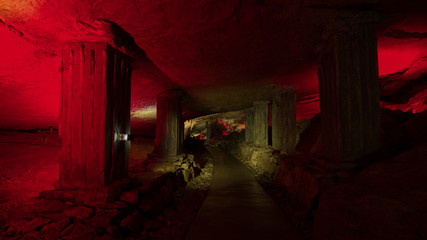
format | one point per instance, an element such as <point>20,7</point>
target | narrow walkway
<point>237,207</point>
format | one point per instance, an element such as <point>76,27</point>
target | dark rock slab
<point>59,225</point>
<point>130,197</point>
<point>107,217</point>
<point>81,231</point>
<point>80,212</point>
<point>134,222</point>
<point>27,225</point>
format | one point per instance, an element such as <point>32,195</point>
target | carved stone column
<point>284,120</point>
<point>249,124</point>
<point>349,90</point>
<point>169,124</point>
<point>260,123</point>
<point>208,131</point>
<point>94,115</point>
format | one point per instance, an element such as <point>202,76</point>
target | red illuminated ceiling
<point>225,54</point>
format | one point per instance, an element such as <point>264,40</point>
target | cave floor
<point>237,207</point>
<point>29,164</point>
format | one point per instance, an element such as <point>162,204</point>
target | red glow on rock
<point>15,49</point>
<point>224,133</point>
<point>201,136</point>
<point>30,81</point>
<point>397,54</point>
<point>396,59</point>
<point>224,124</point>
<point>416,104</point>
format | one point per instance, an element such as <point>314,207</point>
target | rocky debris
<point>50,234</point>
<point>149,180</point>
<point>105,194</point>
<point>130,197</point>
<point>66,196</point>
<point>113,205</point>
<point>27,225</point>
<point>152,205</point>
<point>67,230</point>
<point>134,222</point>
<point>153,225</point>
<point>114,231</point>
<point>106,217</point>
<point>81,231</point>
<point>58,226</point>
<point>80,212</point>
<point>259,159</point>
<point>203,181</point>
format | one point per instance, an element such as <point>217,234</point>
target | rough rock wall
<point>259,159</point>
<point>263,161</point>
<point>222,52</point>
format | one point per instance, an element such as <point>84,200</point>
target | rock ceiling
<point>223,53</point>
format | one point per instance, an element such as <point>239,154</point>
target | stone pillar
<point>249,124</point>
<point>349,91</point>
<point>208,131</point>
<point>260,124</point>
<point>94,111</point>
<point>284,120</point>
<point>169,124</point>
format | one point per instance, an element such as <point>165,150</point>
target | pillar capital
<point>278,91</point>
<point>350,22</point>
<point>171,93</point>
<point>344,25</point>
<point>261,102</point>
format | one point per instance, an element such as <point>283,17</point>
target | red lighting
<point>395,60</point>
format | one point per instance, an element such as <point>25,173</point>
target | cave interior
<point>255,119</point>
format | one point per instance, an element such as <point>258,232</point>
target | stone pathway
<point>237,207</point>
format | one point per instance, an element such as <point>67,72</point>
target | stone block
<point>59,225</point>
<point>25,226</point>
<point>134,222</point>
<point>106,217</point>
<point>130,197</point>
<point>81,231</point>
<point>80,212</point>
<point>150,180</point>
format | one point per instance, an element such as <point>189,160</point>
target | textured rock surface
<point>224,54</point>
<point>385,201</point>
